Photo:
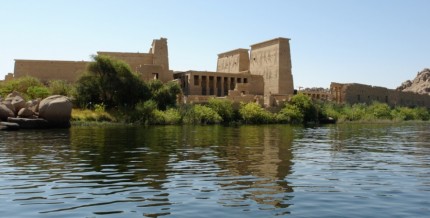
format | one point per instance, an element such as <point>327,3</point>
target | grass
<point>85,115</point>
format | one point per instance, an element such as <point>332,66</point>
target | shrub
<point>200,114</point>
<point>355,112</point>
<point>60,87</point>
<point>170,116</point>
<point>422,113</point>
<point>91,115</point>
<point>110,82</point>
<point>290,114</point>
<point>379,111</point>
<point>34,92</point>
<point>253,113</point>
<point>405,113</point>
<point>305,105</point>
<point>164,94</point>
<point>223,107</point>
<point>145,111</point>
<point>331,110</point>
<point>20,85</point>
<point>99,108</point>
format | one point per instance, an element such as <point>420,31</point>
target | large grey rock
<point>25,113</point>
<point>9,105</point>
<point>33,105</point>
<point>5,112</point>
<point>18,103</point>
<point>56,109</point>
<point>16,100</point>
<point>9,126</point>
<point>25,123</point>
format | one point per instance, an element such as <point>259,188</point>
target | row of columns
<point>216,85</point>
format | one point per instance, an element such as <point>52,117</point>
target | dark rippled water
<point>214,171</point>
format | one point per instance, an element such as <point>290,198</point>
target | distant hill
<point>421,83</point>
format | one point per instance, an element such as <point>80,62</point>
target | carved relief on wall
<point>228,64</point>
<point>265,57</point>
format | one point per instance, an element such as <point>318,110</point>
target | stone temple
<point>261,74</point>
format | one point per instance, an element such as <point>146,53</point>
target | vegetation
<point>110,82</point>
<point>253,113</point>
<point>110,91</point>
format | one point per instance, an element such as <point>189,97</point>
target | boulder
<point>9,105</point>
<point>18,103</point>
<point>9,126</point>
<point>25,123</point>
<point>25,113</point>
<point>5,112</point>
<point>56,109</point>
<point>33,104</point>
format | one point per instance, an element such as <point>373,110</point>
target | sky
<point>375,42</point>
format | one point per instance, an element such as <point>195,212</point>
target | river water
<point>356,170</point>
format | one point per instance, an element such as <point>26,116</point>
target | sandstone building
<point>263,74</point>
<point>154,64</point>
<point>260,74</point>
<point>353,93</point>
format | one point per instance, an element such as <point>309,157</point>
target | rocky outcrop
<point>56,109</point>
<point>16,100</point>
<point>5,112</point>
<point>420,85</point>
<point>52,112</point>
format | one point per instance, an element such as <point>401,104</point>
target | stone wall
<point>358,93</point>
<point>154,64</point>
<point>46,70</point>
<point>160,53</point>
<point>235,61</point>
<point>271,59</point>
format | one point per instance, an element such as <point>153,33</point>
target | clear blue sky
<point>376,42</point>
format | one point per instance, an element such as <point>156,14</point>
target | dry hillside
<point>421,83</point>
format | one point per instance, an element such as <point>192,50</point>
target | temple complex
<point>263,74</point>
<point>154,64</point>
<point>260,74</point>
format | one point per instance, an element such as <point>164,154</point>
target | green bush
<point>60,87</point>
<point>20,85</point>
<point>331,110</point>
<point>200,114</point>
<point>169,116</point>
<point>223,107</point>
<point>253,113</point>
<point>422,113</point>
<point>110,82</point>
<point>145,111</point>
<point>379,111</point>
<point>355,112</point>
<point>34,92</point>
<point>405,113</point>
<point>306,106</point>
<point>165,94</point>
<point>290,114</point>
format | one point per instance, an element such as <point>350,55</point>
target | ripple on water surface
<point>252,171</point>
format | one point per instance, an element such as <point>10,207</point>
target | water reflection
<point>153,171</point>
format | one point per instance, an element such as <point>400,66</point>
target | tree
<point>305,105</point>
<point>223,107</point>
<point>110,82</point>
<point>164,94</point>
